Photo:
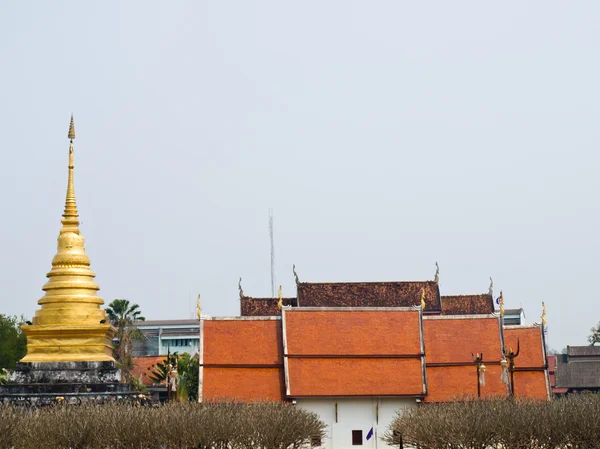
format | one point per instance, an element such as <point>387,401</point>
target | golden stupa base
<point>69,343</point>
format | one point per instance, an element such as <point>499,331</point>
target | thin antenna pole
<point>272,253</point>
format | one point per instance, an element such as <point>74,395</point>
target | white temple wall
<point>355,414</point>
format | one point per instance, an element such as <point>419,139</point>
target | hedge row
<point>179,425</point>
<point>570,422</point>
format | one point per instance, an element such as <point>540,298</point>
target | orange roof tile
<point>355,377</point>
<point>452,339</point>
<point>357,332</point>
<point>144,366</point>
<point>531,354</point>
<point>447,383</point>
<point>243,384</point>
<point>531,376</point>
<point>449,345</point>
<point>358,352</point>
<point>239,342</point>
<point>242,359</point>
<point>531,384</point>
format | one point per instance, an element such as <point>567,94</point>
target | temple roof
<point>450,342</point>
<point>369,294</point>
<point>353,352</point>
<point>263,306</point>
<point>242,359</point>
<point>144,366</point>
<point>467,304</point>
<point>530,365</point>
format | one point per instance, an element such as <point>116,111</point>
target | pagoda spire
<point>70,219</point>
<point>71,325</point>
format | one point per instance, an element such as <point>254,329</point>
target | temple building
<point>356,353</point>
<point>69,341</point>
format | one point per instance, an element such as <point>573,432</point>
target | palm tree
<point>122,314</point>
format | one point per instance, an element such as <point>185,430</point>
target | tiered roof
<point>353,352</point>
<point>264,306</point>
<point>450,343</point>
<point>365,339</point>
<point>530,365</point>
<point>369,294</point>
<point>242,359</point>
<point>467,304</point>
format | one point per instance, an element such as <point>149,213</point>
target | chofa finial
<point>422,299</point>
<point>295,274</point>
<point>491,289</point>
<point>198,308</point>
<point>72,128</point>
<point>501,302</point>
<point>544,314</point>
<point>280,296</point>
<point>436,279</point>
<point>240,289</point>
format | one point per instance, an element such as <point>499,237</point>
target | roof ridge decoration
<point>280,298</point>
<point>242,296</point>
<point>295,274</point>
<point>543,314</point>
<point>423,299</point>
<point>198,308</point>
<point>436,279</point>
<point>491,289</point>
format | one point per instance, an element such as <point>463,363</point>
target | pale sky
<point>385,135</point>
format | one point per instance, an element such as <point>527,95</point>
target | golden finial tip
<point>72,128</point>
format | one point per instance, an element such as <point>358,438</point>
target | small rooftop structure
<point>578,369</point>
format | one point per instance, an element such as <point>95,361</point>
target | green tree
<point>13,344</point>
<point>122,314</point>
<point>594,337</point>
<point>187,374</point>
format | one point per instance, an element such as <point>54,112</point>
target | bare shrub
<point>225,425</point>
<point>571,422</point>
<point>10,420</point>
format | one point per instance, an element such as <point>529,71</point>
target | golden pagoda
<point>70,326</point>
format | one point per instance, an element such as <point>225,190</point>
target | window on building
<point>357,439</point>
<point>181,342</point>
<point>315,442</point>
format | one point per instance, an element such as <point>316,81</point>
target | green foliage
<point>122,314</point>
<point>187,370</point>
<point>13,344</point>
<point>594,337</point>
<point>137,385</point>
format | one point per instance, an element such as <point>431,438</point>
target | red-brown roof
<point>355,352</point>
<point>450,343</point>
<point>467,304</point>
<point>242,359</point>
<point>531,376</point>
<point>263,306</point>
<point>369,294</point>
